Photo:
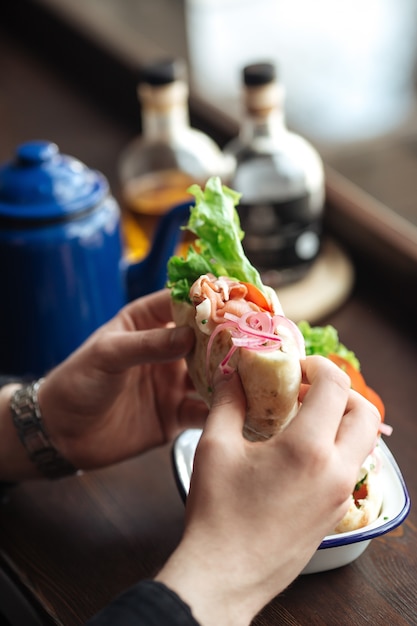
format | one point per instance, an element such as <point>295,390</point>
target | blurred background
<point>348,67</point>
<point>349,70</point>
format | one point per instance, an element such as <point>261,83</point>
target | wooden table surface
<point>70,546</point>
<point>76,543</point>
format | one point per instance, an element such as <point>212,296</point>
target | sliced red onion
<point>385,429</point>
<point>254,331</point>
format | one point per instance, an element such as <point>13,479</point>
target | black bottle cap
<point>258,74</point>
<point>163,72</point>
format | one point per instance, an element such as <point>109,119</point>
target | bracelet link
<point>28,421</point>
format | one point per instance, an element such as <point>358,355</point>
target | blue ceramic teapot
<point>63,272</point>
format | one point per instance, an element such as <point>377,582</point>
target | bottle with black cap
<point>280,176</point>
<point>156,168</point>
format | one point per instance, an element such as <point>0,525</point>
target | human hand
<point>256,512</point>
<point>125,390</point>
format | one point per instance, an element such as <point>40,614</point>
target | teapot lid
<point>42,184</point>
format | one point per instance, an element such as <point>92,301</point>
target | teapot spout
<point>150,274</point>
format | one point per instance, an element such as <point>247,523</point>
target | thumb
<point>228,406</point>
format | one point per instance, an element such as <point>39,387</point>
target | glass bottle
<point>156,168</point>
<point>280,176</point>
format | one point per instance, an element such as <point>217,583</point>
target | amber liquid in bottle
<point>145,200</point>
<point>157,168</point>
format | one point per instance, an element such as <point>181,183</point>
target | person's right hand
<point>256,512</point>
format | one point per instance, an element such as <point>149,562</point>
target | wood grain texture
<point>73,545</point>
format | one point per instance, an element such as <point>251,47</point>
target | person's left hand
<point>125,390</point>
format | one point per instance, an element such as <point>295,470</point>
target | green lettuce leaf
<point>215,223</point>
<point>324,340</point>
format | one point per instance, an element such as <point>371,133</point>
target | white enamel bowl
<point>335,550</point>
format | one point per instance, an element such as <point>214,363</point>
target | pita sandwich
<point>239,324</point>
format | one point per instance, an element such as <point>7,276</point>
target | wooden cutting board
<point>326,286</point>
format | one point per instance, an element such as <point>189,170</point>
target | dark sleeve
<point>149,603</point>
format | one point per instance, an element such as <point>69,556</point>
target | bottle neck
<point>270,124</point>
<point>158,124</point>
<point>164,110</point>
<point>264,112</point>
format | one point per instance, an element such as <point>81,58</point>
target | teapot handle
<point>150,274</point>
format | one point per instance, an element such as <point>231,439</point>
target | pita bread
<point>366,510</point>
<point>271,379</point>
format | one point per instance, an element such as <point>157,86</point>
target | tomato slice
<point>360,494</point>
<point>358,383</point>
<point>256,296</point>
<point>357,380</point>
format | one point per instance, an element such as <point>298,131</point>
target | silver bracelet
<point>28,420</point>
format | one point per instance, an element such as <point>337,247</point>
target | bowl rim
<point>376,529</point>
<point>337,540</point>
